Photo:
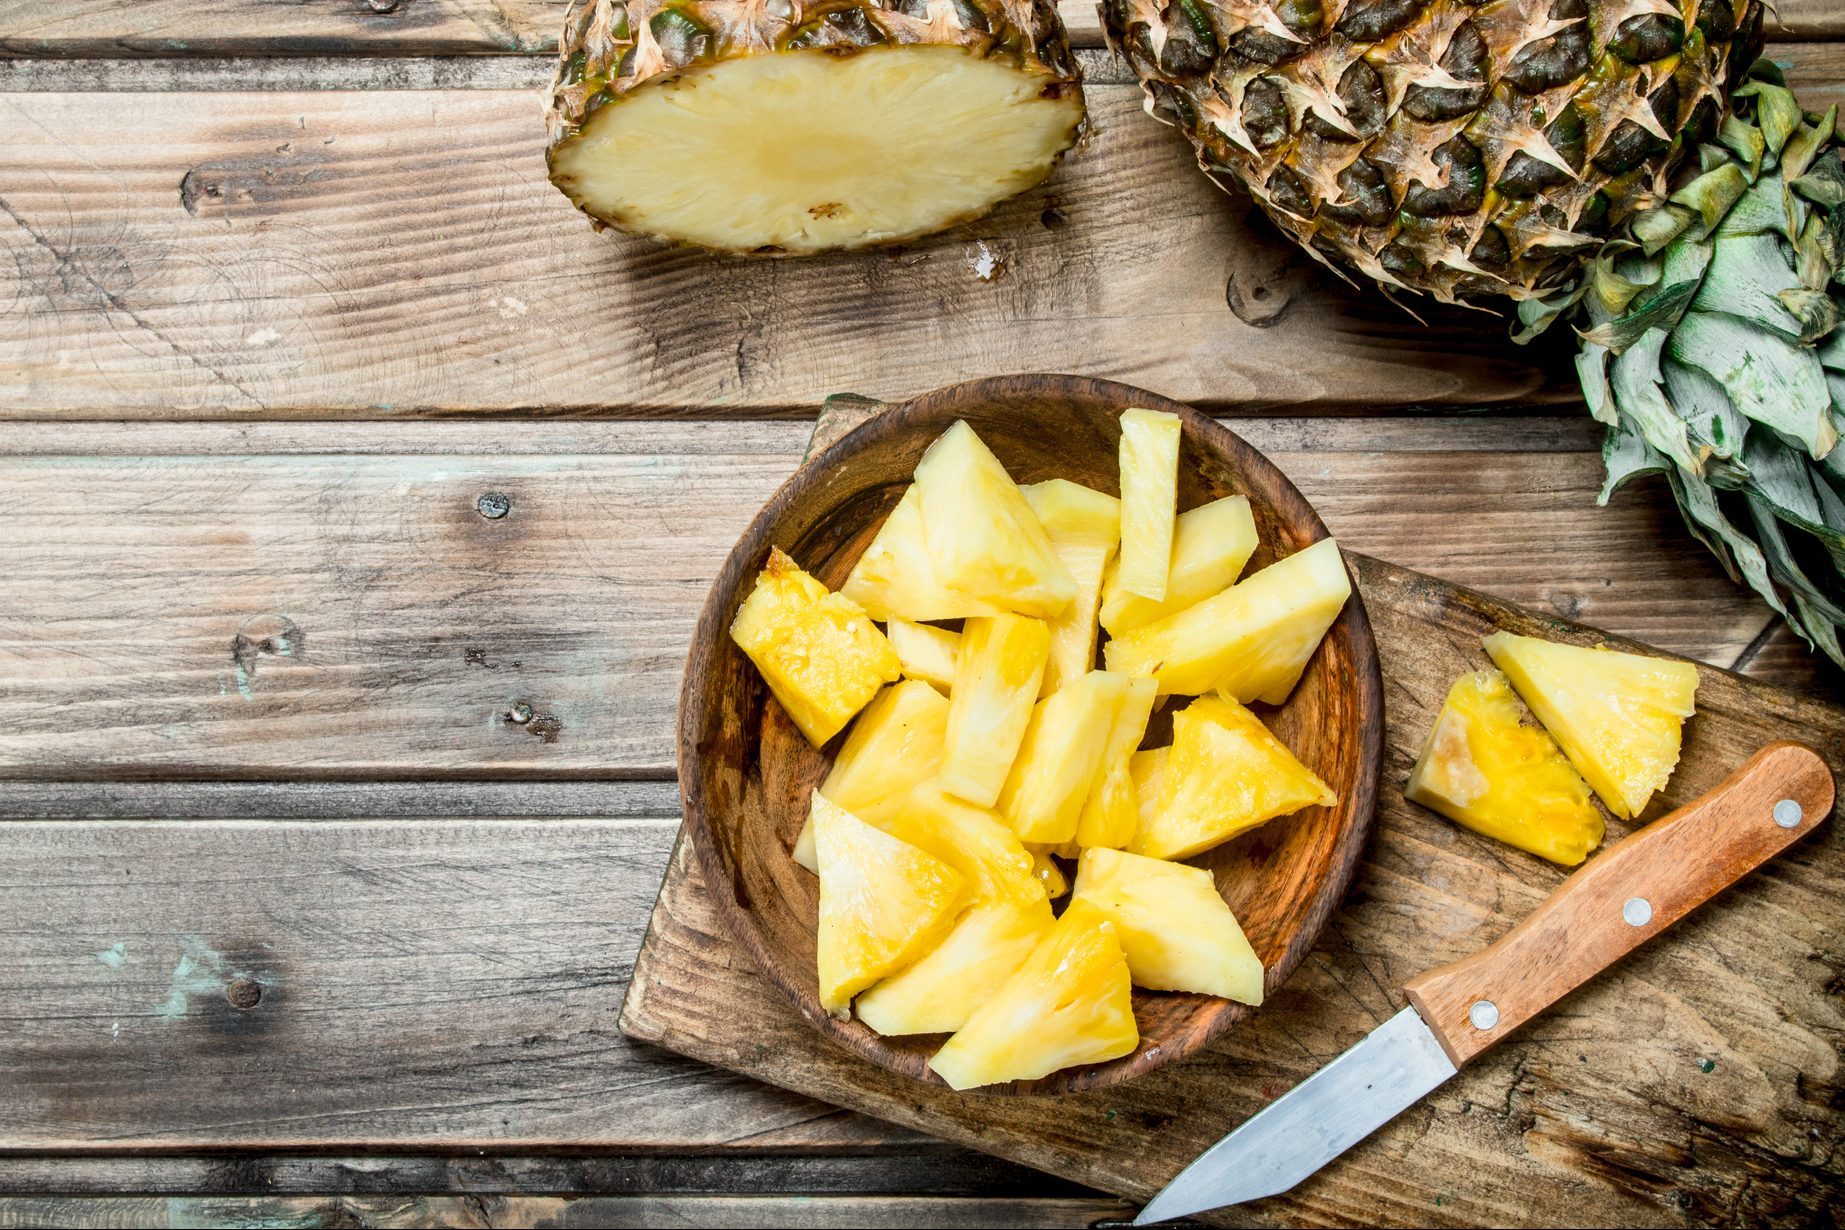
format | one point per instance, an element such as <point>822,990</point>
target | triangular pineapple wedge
<point>1210,545</point>
<point>1149,462</point>
<point>1226,775</point>
<point>1061,757</point>
<point>1084,527</point>
<point>927,652</point>
<point>1148,769</point>
<point>894,579</point>
<point>983,538</point>
<point>1252,641</point>
<point>996,684</point>
<point>883,903</point>
<point>1177,931</point>
<point>1111,815</point>
<point>821,656</point>
<point>1484,768</point>
<point>895,744</point>
<point>1071,512</point>
<point>971,839</point>
<point>1071,1002</point>
<point>1617,716</point>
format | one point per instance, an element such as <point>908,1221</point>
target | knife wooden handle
<point>1624,897</point>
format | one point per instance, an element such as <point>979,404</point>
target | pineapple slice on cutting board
<point>1111,814</point>
<point>1060,758</point>
<point>1177,932</point>
<point>819,652</point>
<point>1617,716</point>
<point>927,652</point>
<point>1210,546</point>
<point>894,578</point>
<point>1226,774</point>
<point>1484,768</point>
<point>996,684</point>
<point>1071,1002</point>
<point>895,744</point>
<point>1084,526</point>
<point>1149,461</point>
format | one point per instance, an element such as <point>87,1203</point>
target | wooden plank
<point>1695,1083</point>
<point>318,615</point>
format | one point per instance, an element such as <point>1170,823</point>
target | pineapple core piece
<point>1111,815</point>
<point>1617,716</point>
<point>1210,545</point>
<point>1071,1002</point>
<point>927,652</point>
<point>1149,460</point>
<point>1061,757</point>
<point>896,743</point>
<point>1485,769</point>
<point>818,651</point>
<point>1226,775</point>
<point>1177,932</point>
<point>894,579</point>
<point>1084,527</point>
<point>883,903</point>
<point>1252,641</point>
<point>983,538</point>
<point>996,682</point>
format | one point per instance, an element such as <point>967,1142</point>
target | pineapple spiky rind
<point>1175,928</point>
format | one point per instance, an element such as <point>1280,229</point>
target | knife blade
<point>1617,901</point>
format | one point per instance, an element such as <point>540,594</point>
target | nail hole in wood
<point>243,994</point>
<point>493,505</point>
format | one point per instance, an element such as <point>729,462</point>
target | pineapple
<point>1483,768</point>
<point>1045,870</point>
<point>996,682</point>
<point>1252,641</point>
<point>973,840</point>
<point>1177,932</point>
<point>982,536</point>
<point>1084,526</point>
<point>883,903</point>
<point>1147,769</point>
<point>1617,716</point>
<point>896,743</point>
<point>1210,545</point>
<point>1226,774</point>
<point>1060,759</point>
<point>1071,1002</point>
<point>1071,512</point>
<point>894,579</point>
<point>799,127</point>
<point>927,652</point>
<point>1111,815</point>
<point>1149,500</point>
<point>818,651</point>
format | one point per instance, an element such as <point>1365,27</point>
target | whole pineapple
<point>1613,163</point>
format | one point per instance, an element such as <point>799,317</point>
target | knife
<point>1612,905</point>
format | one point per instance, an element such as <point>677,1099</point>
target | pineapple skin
<point>1176,930</point>
<point>1458,150</point>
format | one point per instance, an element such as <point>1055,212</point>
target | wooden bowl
<point>745,772</point>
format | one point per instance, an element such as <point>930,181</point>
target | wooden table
<point>337,803</point>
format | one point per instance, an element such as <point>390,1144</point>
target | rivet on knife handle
<point>1624,897</point>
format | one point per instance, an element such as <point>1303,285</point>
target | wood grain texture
<point>1698,1082</point>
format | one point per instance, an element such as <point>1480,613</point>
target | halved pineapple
<point>1061,757</point>
<point>1178,933</point>
<point>1617,716</point>
<point>1071,1002</point>
<point>1111,815</point>
<point>1252,641</point>
<point>1149,460</point>
<point>1210,545</point>
<point>883,903</point>
<point>996,683</point>
<point>926,651</point>
<point>818,651</point>
<point>1484,768</point>
<point>894,578</point>
<point>1084,527</point>
<point>896,743</point>
<point>1227,774</point>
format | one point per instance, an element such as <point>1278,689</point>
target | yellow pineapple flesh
<point>1071,1002</point>
<point>1252,641</point>
<point>927,652</point>
<point>1177,932</point>
<point>971,839</point>
<point>1061,757</point>
<point>1227,774</point>
<point>1147,768</point>
<point>819,652</point>
<point>996,684</point>
<point>1485,769</point>
<point>1071,512</point>
<point>1084,527</point>
<point>1111,815</point>
<point>883,903</point>
<point>1045,870</point>
<point>1617,716</point>
<point>894,578</point>
<point>1210,545</point>
<point>1149,461</point>
<point>895,744</point>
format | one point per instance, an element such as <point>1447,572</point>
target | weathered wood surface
<point>299,610</point>
<point>1697,1082</point>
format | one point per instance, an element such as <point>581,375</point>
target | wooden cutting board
<point>1662,1093</point>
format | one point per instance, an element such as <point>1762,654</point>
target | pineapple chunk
<point>1617,716</point>
<point>1149,460</point>
<point>928,653</point>
<point>1483,768</point>
<point>1210,545</point>
<point>1071,1002</point>
<point>896,743</point>
<point>1226,774</point>
<point>1177,931</point>
<point>1071,512</point>
<point>983,538</point>
<point>894,579</point>
<point>820,654</point>
<point>1148,769</point>
<point>1111,815</point>
<point>972,840</point>
<point>940,992</point>
<point>1252,641</point>
<point>996,681</point>
<point>1061,757</point>
<point>1084,527</point>
<point>883,903</point>
<point>1045,870</point>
